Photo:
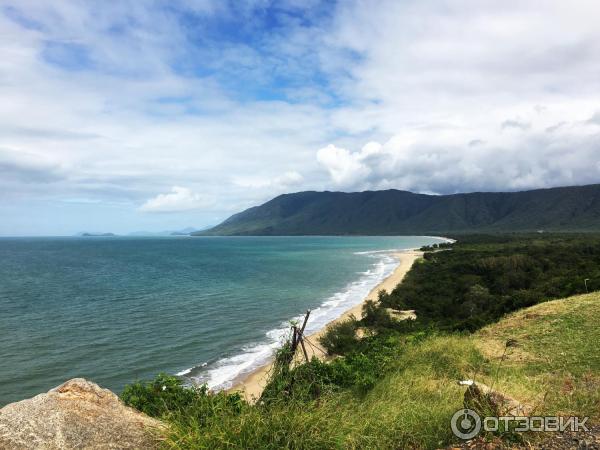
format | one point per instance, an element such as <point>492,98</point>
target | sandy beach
<point>252,384</point>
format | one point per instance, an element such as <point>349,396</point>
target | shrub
<point>166,395</point>
<point>340,337</point>
<point>376,316</point>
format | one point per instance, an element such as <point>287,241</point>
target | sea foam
<point>222,373</point>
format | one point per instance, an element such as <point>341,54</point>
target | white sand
<point>252,384</point>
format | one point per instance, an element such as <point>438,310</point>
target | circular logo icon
<point>465,424</point>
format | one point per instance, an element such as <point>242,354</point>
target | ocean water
<point>116,309</point>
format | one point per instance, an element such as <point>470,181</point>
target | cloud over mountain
<point>117,98</point>
<point>179,199</point>
<point>450,159</point>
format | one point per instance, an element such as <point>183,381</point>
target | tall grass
<point>412,390</point>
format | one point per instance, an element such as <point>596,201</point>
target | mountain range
<point>395,212</point>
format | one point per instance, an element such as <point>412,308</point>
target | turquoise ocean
<point>117,309</point>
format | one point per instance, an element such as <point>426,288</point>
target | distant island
<point>96,234</point>
<point>394,212</point>
<point>182,232</point>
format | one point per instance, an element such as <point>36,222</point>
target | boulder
<point>78,414</point>
<point>484,399</point>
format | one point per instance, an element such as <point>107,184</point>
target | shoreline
<point>251,384</point>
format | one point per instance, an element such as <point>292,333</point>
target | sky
<point>164,114</point>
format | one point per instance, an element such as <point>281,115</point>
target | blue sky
<point>156,115</point>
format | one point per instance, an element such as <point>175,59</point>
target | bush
<point>340,337</point>
<point>376,316</point>
<point>363,363</point>
<point>166,395</point>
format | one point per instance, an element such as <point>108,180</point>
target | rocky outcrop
<point>78,414</point>
<point>484,399</point>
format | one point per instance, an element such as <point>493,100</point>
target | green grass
<point>409,407</point>
<point>554,365</point>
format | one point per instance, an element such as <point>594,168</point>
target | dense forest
<point>485,277</point>
<point>393,212</point>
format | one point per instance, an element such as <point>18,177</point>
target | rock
<point>78,414</point>
<point>362,332</point>
<point>405,314</point>
<point>486,400</point>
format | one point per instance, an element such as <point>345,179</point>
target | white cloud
<point>515,123</point>
<point>595,119</point>
<point>179,199</point>
<point>446,161</point>
<point>466,96</point>
<point>26,168</point>
<point>109,101</point>
<point>288,180</point>
<point>345,168</point>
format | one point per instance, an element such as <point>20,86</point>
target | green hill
<point>392,212</point>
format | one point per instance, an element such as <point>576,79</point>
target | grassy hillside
<point>554,365</point>
<point>399,212</point>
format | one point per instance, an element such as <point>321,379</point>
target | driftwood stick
<point>305,320</point>
<point>297,338</point>
<point>294,339</point>
<point>303,348</point>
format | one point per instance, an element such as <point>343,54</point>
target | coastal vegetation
<point>484,312</point>
<point>485,277</point>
